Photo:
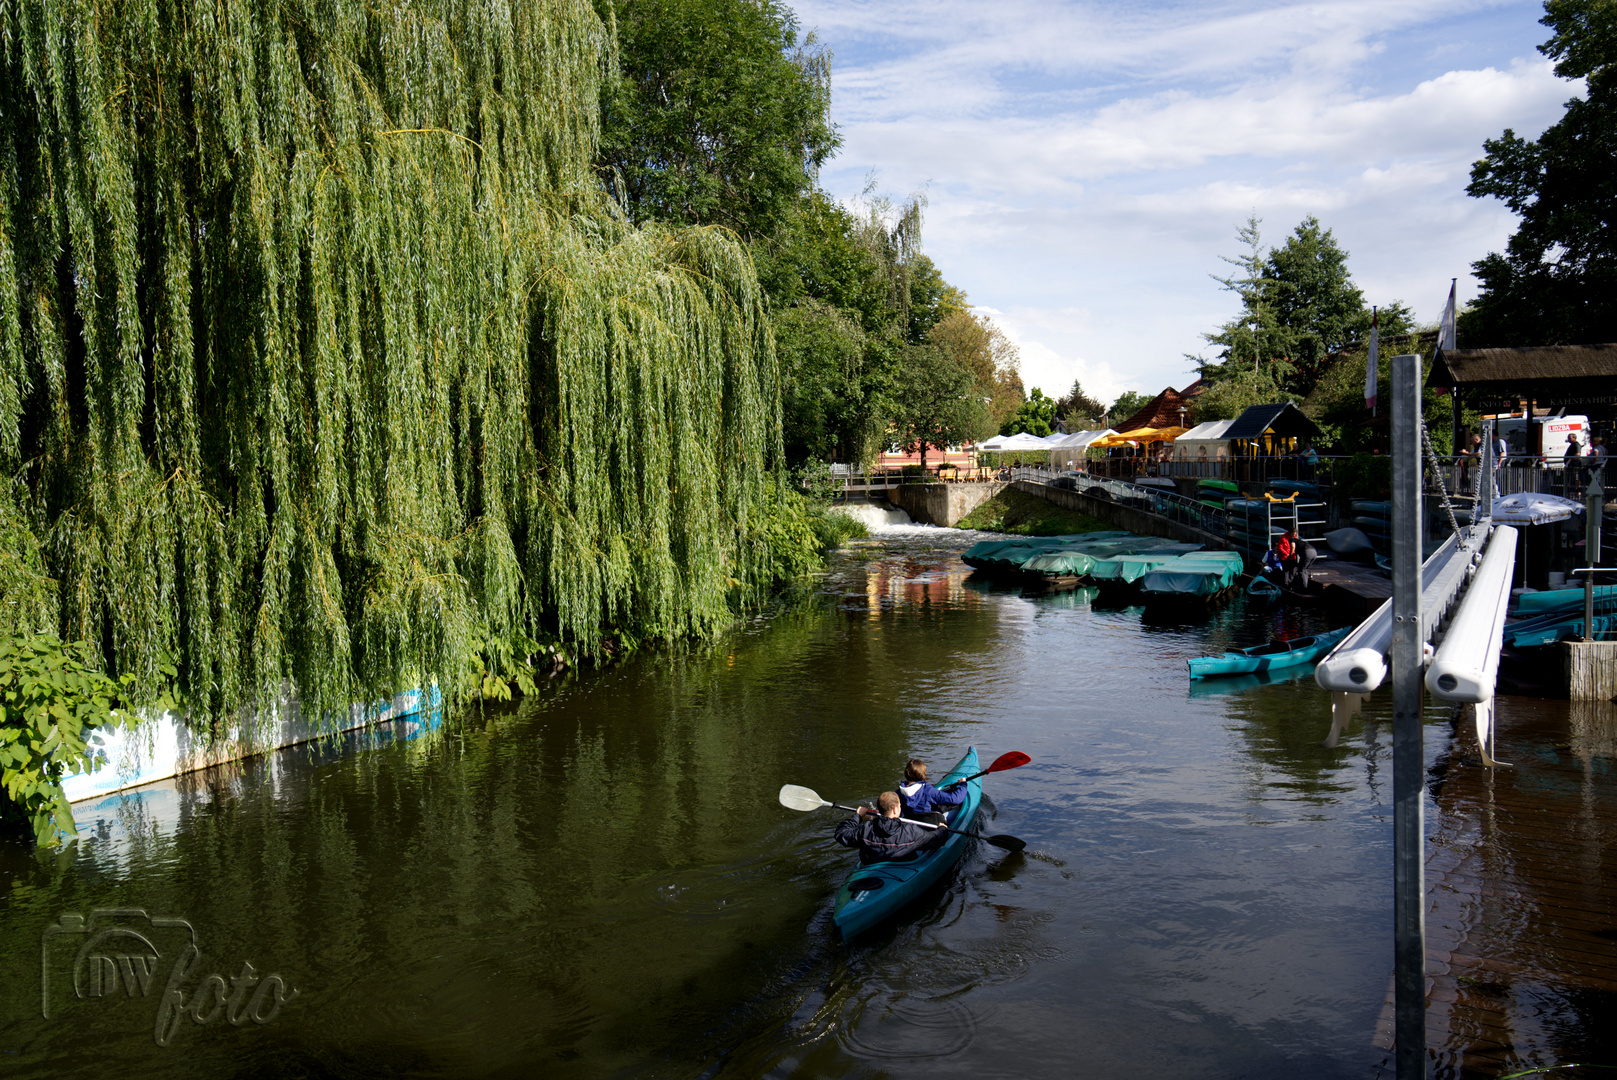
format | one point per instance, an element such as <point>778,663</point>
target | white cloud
<point>1087,163</point>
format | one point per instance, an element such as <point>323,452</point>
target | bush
<point>1365,476</point>
<point>52,703</point>
<point>834,529</point>
<point>1021,514</point>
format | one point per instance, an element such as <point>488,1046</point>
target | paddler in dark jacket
<point>921,800</point>
<point>884,836</point>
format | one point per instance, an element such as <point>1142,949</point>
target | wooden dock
<point>1355,587</point>
<point>1521,919</point>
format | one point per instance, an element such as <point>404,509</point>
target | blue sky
<point>1086,164</point>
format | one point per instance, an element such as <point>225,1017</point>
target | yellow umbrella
<point>1141,435</point>
<point>1148,435</point>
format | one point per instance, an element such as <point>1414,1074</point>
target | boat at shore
<point>1200,576</point>
<point>1270,657</point>
<point>1123,571</point>
<point>876,891</point>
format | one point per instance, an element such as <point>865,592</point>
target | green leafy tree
<point>982,348</point>
<point>325,359</point>
<point>1317,307</point>
<point>1238,390</point>
<point>1036,416</point>
<point>1337,401</point>
<point>935,404</point>
<point>1250,339</point>
<point>1078,411</point>
<point>1556,281</point>
<point>1300,309</point>
<point>931,300</point>
<point>835,383</point>
<point>1127,404</point>
<point>53,702</point>
<point>717,114</point>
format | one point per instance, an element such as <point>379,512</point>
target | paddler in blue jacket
<point>922,801</point>
<point>880,835</point>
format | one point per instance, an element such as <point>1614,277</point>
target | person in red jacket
<point>1285,549</point>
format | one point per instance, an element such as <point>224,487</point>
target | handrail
<point>1165,504</point>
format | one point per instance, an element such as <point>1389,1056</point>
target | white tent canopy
<point>1080,440</point>
<point>1006,444</point>
<point>1203,441</point>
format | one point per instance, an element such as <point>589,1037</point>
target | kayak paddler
<point>921,800</point>
<point>880,835</point>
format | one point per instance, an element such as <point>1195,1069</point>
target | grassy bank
<point>1021,514</point>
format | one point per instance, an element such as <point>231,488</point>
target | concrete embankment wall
<point>1124,517</point>
<point>165,747</point>
<point>1591,670</point>
<point>942,504</point>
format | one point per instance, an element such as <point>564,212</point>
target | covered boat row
<point>1159,567</point>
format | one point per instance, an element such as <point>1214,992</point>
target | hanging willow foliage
<point>324,363</point>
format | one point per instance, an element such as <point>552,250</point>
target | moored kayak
<point>1276,654</point>
<point>876,891</point>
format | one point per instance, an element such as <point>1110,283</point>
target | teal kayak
<point>876,891</point>
<point>1561,599</point>
<point>1276,654</point>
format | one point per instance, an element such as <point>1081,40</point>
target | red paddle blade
<point>1013,760</point>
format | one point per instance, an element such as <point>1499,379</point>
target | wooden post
<point>1408,757</point>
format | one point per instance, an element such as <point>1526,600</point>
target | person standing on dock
<point>921,800</point>
<point>881,835</point>
<point>1472,453</point>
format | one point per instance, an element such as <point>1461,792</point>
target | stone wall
<point>942,504</point>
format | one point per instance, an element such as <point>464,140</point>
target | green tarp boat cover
<point>1000,551</point>
<point>1128,569</point>
<point>1076,559</point>
<point>1059,564</point>
<point>1200,573</point>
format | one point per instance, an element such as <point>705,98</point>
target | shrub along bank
<point>1021,514</point>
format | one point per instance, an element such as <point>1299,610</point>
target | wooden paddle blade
<point>1013,760</point>
<point>800,798</point>
<point>1009,843</point>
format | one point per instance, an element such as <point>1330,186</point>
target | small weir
<point>875,516</point>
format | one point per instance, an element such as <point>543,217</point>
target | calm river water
<point>601,882</point>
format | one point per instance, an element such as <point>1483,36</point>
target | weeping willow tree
<point>325,364</point>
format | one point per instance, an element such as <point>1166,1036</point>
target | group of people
<point>1581,460</point>
<point>893,830</point>
<point>1577,461</point>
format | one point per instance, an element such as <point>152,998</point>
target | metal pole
<point>1484,507</point>
<point>1408,758</point>
<point>1594,508</point>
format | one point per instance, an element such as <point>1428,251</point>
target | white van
<point>1549,435</point>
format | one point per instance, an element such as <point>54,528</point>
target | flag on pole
<point>1445,336</point>
<point>1371,364</point>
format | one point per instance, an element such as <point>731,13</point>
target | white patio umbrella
<point>1532,508</point>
